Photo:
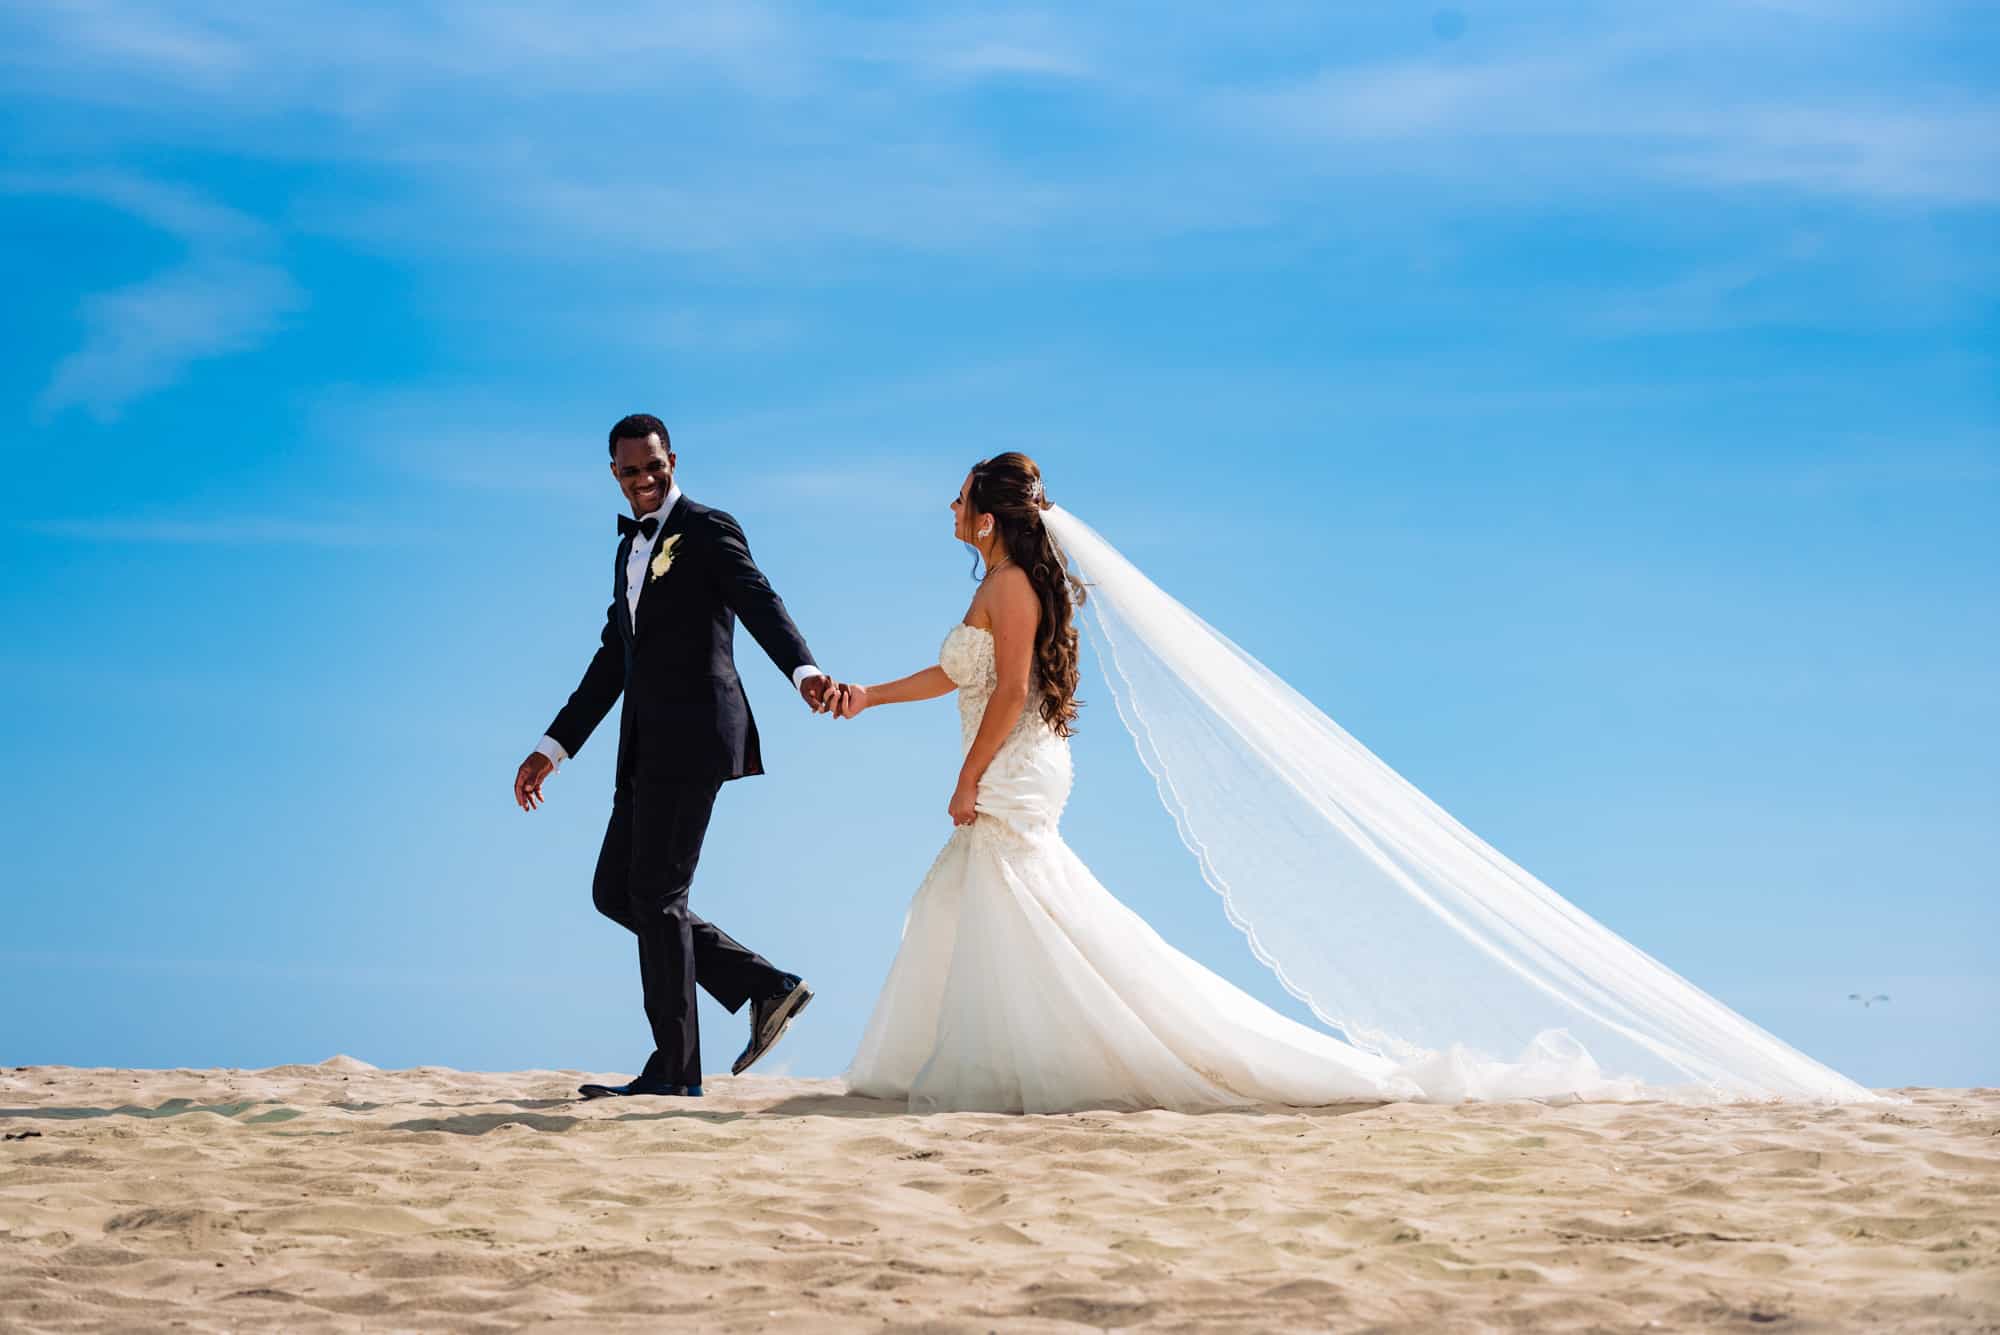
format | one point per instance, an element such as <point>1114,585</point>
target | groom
<point>682,579</point>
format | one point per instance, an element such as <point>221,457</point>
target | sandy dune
<point>325,1197</point>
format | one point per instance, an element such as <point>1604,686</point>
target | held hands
<point>528,780</point>
<point>820,693</point>
<point>824,695</point>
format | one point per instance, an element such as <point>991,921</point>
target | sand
<point>337,1196</point>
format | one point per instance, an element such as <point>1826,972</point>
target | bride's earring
<point>984,534</point>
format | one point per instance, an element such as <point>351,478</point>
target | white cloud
<point>222,531</point>
<point>170,208</point>
<point>1943,154</point>
<point>1708,100</point>
<point>128,37</point>
<point>970,46</point>
<point>1708,297</point>
<point>492,439</point>
<point>144,337</point>
<point>226,296</point>
<point>751,140</point>
<point>857,487</point>
<point>292,56</point>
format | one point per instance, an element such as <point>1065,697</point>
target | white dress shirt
<point>635,584</point>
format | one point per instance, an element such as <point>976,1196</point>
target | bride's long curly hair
<point>1008,487</point>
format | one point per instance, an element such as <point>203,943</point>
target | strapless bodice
<point>1028,782</point>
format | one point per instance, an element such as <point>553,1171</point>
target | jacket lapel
<point>618,587</point>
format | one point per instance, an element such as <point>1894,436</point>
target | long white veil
<point>1394,923</point>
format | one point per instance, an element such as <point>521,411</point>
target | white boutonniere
<point>663,560</point>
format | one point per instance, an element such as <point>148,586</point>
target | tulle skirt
<point>1023,985</point>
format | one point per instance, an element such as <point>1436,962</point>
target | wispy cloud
<point>1704,101</point>
<point>223,531</point>
<point>474,438</point>
<point>126,36</point>
<point>1880,465</point>
<point>979,45</point>
<point>856,488</point>
<point>361,71</point>
<point>143,337</point>
<point>511,128</point>
<point>821,143</point>
<point>225,296</point>
<point>501,440</point>
<point>1705,298</point>
<point>279,971</point>
<point>1943,153</point>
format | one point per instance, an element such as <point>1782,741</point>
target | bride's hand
<point>962,803</point>
<point>851,701</point>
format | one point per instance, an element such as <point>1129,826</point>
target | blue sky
<point>1594,410</point>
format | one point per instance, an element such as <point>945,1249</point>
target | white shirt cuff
<point>552,748</point>
<point>805,673</point>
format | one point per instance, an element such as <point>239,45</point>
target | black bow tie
<point>648,526</point>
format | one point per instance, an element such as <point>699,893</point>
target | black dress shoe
<point>769,1018</point>
<point>638,1086</point>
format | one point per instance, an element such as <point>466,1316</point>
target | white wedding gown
<point>1022,985</point>
<point>1449,972</point>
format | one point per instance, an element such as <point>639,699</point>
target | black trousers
<point>644,872</point>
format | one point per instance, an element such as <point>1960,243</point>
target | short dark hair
<point>638,426</point>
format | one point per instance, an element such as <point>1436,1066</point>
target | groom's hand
<point>528,780</point>
<point>819,693</point>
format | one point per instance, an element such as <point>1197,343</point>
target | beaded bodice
<point>1028,781</point>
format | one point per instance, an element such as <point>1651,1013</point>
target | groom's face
<point>644,468</point>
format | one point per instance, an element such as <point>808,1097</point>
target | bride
<point>1023,985</point>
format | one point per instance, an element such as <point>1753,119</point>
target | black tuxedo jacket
<point>685,716</point>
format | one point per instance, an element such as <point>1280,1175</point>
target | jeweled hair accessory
<point>1035,492</point>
